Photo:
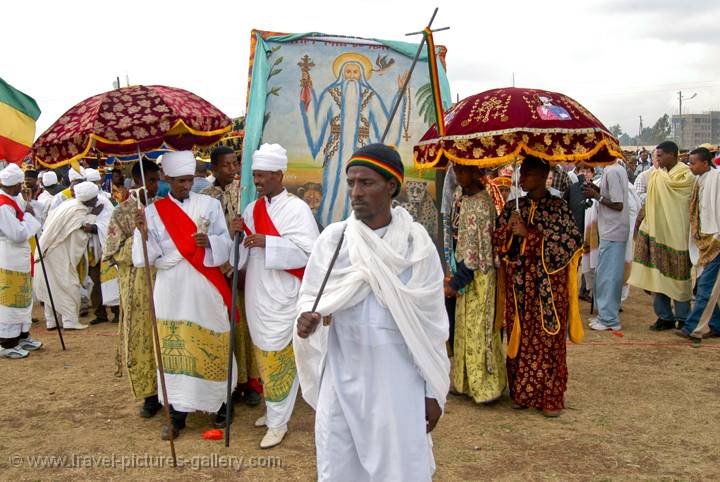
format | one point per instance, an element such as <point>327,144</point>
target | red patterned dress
<point>535,278</point>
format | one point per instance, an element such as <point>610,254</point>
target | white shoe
<point>260,422</point>
<point>597,326</point>
<point>73,325</point>
<point>273,437</point>
<point>28,344</point>
<point>17,352</point>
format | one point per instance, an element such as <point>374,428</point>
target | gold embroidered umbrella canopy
<point>500,126</point>
<point>131,119</point>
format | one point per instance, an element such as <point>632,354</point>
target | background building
<point>696,129</point>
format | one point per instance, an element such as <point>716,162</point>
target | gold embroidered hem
<point>15,289</point>
<point>278,371</point>
<point>479,361</point>
<point>135,341</point>
<point>193,350</point>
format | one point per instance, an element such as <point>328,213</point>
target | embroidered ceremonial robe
<point>135,349</point>
<point>271,294</point>
<point>538,276</point>
<point>16,229</point>
<point>192,314</point>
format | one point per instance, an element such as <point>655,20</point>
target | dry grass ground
<point>642,407</point>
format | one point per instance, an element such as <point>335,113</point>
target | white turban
<point>178,163</point>
<point>49,178</point>
<point>12,175</point>
<point>270,157</point>
<point>92,175</point>
<point>85,191</point>
<point>76,176</point>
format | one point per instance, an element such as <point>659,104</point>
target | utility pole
<point>680,99</point>
<point>641,128</point>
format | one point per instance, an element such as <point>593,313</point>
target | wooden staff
<point>156,337</point>
<point>47,285</point>
<point>27,194</point>
<point>233,319</point>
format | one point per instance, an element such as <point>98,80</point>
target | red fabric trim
<point>264,225</point>
<point>181,228</point>
<point>6,200</point>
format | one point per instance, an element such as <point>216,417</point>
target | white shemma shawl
<point>368,262</point>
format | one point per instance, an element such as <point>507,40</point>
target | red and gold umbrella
<point>128,120</point>
<point>499,126</point>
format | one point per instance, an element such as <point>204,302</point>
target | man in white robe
<point>192,297</point>
<point>377,373</point>
<point>64,242</point>
<point>102,277</point>
<point>75,177</point>
<point>17,227</point>
<point>704,246</point>
<point>281,232</point>
<point>51,187</point>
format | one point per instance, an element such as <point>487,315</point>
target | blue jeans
<point>663,308</point>
<point>704,285</point>
<point>609,280</point>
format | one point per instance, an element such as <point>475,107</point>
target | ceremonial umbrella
<point>495,127</point>
<point>131,120</point>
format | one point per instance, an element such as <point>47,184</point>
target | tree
<point>616,130</point>
<point>626,140</point>
<point>661,129</point>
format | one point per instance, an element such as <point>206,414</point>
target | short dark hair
<point>703,153</point>
<point>147,165</point>
<point>536,164</point>
<point>218,152</point>
<point>117,170</point>
<point>669,146</point>
<point>31,173</point>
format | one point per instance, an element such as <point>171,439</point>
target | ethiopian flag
<point>18,113</point>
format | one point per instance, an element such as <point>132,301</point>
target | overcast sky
<point>619,58</point>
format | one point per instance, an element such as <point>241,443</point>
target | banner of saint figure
<point>322,97</point>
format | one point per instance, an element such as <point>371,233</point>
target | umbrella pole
<point>47,285</point>
<point>396,106</point>
<point>233,320</point>
<point>153,319</point>
<point>516,175</point>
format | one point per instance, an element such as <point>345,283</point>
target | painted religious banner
<point>322,97</point>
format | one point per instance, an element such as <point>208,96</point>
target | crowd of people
<point>374,355</point>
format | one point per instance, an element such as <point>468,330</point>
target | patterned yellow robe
<point>135,341</point>
<point>247,365</point>
<point>479,361</point>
